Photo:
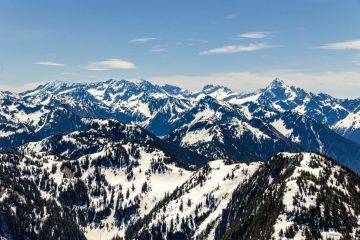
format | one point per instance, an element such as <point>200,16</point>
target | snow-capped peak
<point>277,82</point>
<point>208,89</point>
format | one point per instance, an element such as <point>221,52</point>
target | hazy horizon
<point>33,86</point>
<point>313,44</point>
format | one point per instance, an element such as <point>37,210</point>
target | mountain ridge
<point>164,110</point>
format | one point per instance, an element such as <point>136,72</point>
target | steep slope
<point>24,212</point>
<point>296,196</point>
<point>208,109</point>
<point>216,129</point>
<point>122,100</point>
<point>195,207</point>
<point>349,126</point>
<point>219,92</point>
<point>224,122</point>
<point>251,132</point>
<point>98,132</point>
<point>22,121</point>
<point>315,137</point>
<point>153,106</point>
<point>341,115</point>
<point>242,140</point>
<point>113,174</point>
<point>109,175</point>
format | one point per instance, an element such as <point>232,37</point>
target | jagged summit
<point>210,88</point>
<point>164,109</point>
<point>278,83</point>
<point>6,95</point>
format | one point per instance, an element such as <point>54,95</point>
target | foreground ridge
<point>297,196</point>
<point>134,190</point>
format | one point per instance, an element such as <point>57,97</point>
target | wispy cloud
<point>254,35</point>
<point>50,63</point>
<point>158,49</point>
<point>143,40</point>
<point>109,64</point>
<point>236,49</point>
<point>350,44</point>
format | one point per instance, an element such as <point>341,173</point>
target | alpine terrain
<point>134,160</point>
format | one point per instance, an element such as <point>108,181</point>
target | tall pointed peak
<point>277,82</point>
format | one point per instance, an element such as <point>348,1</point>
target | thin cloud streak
<point>237,48</point>
<point>345,45</point>
<point>50,63</point>
<point>157,49</point>
<point>143,40</point>
<point>254,35</point>
<point>110,64</point>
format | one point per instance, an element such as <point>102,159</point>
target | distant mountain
<point>121,100</point>
<point>152,106</point>
<point>349,126</point>
<point>236,125</point>
<point>240,140</point>
<point>248,132</point>
<point>313,136</point>
<point>341,115</point>
<point>97,132</point>
<point>22,121</point>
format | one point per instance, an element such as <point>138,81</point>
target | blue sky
<point>241,44</point>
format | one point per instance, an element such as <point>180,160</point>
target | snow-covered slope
<point>112,174</point>
<point>195,207</point>
<point>123,100</point>
<point>246,140</point>
<point>58,107</point>
<point>96,133</point>
<point>316,137</point>
<point>125,187</point>
<point>349,126</point>
<point>295,196</point>
<point>22,121</point>
<point>153,106</point>
<point>341,115</point>
<point>109,175</point>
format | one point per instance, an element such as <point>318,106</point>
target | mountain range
<point>214,123</point>
<point>133,160</point>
